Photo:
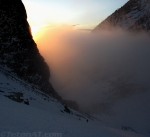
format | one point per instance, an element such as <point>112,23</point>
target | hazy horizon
<point>81,14</point>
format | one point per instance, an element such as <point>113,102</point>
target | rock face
<point>18,51</point>
<point>133,16</point>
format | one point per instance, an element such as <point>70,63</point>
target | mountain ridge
<point>133,16</point>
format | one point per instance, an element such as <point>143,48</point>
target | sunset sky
<point>84,14</point>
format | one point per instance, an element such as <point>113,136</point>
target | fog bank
<point>96,70</point>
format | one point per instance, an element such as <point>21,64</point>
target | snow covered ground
<point>35,114</point>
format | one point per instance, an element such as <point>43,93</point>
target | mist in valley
<point>96,69</point>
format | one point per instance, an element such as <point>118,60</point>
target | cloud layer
<point>96,70</point>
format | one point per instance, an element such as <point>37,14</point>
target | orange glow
<point>50,39</point>
<point>37,31</point>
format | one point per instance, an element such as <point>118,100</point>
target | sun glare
<point>49,13</point>
<point>36,32</point>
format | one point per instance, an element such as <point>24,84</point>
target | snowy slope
<point>46,115</point>
<point>131,114</point>
<point>134,15</point>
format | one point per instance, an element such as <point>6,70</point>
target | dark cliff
<point>18,51</point>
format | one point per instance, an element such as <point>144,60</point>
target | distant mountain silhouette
<point>133,16</point>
